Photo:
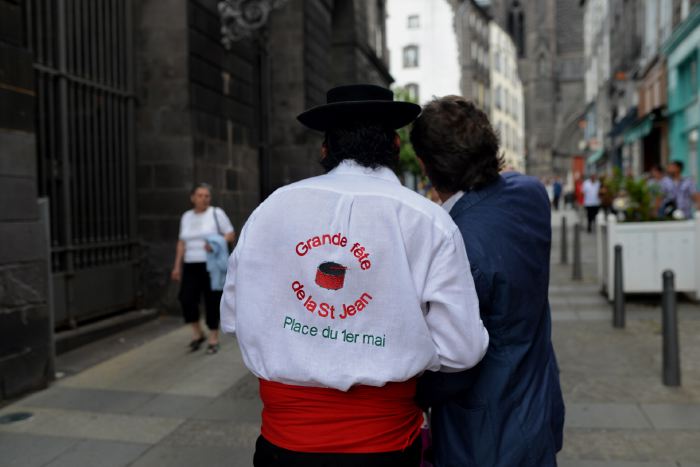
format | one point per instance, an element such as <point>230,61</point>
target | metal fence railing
<point>85,149</point>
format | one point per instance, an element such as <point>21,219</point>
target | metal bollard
<point>671,357</point>
<point>564,245</point>
<point>619,301</point>
<point>577,274</point>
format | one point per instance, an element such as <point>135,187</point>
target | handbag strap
<point>216,220</point>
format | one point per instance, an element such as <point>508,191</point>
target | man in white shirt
<point>346,287</point>
<point>591,198</point>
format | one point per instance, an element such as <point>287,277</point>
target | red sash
<point>365,419</point>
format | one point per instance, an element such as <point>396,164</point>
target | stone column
<point>165,155</point>
<point>25,329</point>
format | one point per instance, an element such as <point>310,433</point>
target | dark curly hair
<point>457,144</point>
<point>369,144</point>
<point>678,164</point>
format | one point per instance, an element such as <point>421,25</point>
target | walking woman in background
<point>200,264</point>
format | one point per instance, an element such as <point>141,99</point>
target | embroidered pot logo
<point>330,275</point>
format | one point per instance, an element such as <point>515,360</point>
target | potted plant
<point>650,243</point>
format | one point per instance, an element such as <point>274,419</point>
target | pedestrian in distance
<point>679,191</point>
<point>549,187</point>
<point>578,190</point>
<point>557,189</point>
<point>342,289</point>
<point>591,199</point>
<point>657,182</point>
<point>605,197</point>
<point>200,264</point>
<point>569,199</point>
<point>508,411</point>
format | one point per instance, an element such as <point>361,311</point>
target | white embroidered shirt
<point>349,278</point>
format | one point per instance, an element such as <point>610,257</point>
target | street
<point>151,403</point>
<point>618,412</point>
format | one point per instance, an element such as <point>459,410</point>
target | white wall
<point>438,72</point>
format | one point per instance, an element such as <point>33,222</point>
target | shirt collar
<point>351,167</point>
<point>452,200</point>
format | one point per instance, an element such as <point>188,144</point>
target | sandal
<point>212,348</point>
<point>195,344</point>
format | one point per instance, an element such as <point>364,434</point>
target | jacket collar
<point>351,167</point>
<point>473,197</point>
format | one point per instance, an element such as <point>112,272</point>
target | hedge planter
<point>648,249</point>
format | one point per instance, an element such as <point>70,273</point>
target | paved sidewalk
<point>618,412</point>
<point>154,405</point>
<point>151,403</point>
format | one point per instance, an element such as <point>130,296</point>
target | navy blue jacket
<point>507,411</point>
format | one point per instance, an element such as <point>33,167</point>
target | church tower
<point>549,37</point>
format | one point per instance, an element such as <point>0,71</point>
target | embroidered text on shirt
<point>326,310</point>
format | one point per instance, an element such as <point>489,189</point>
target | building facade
<point>596,46</point>
<point>548,35</point>
<point>114,125</point>
<point>507,106</point>
<point>683,57</point>
<point>25,307</point>
<point>626,34</point>
<point>471,23</point>
<point>647,141</point>
<point>423,45</point>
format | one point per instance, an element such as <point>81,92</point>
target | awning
<point>593,158</point>
<point>640,130</point>
<point>624,123</point>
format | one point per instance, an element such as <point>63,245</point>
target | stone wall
<point>318,53</point>
<point>203,114</point>
<point>164,140</point>
<point>198,121</point>
<point>569,97</point>
<point>292,154</point>
<point>25,352</point>
<point>225,106</point>
<point>552,82</point>
<point>312,46</point>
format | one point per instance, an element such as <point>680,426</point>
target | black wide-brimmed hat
<point>357,103</point>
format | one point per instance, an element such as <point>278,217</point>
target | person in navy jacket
<point>507,411</point>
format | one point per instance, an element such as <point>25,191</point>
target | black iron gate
<point>85,145</point>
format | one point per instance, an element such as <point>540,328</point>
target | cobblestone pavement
<point>153,405</point>
<point>141,399</point>
<point>619,414</point>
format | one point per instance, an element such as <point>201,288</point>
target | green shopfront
<point>683,60</point>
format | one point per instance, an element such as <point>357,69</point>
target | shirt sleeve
<point>453,318</point>
<point>228,297</point>
<point>666,186</point>
<point>224,221</point>
<point>182,227</point>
